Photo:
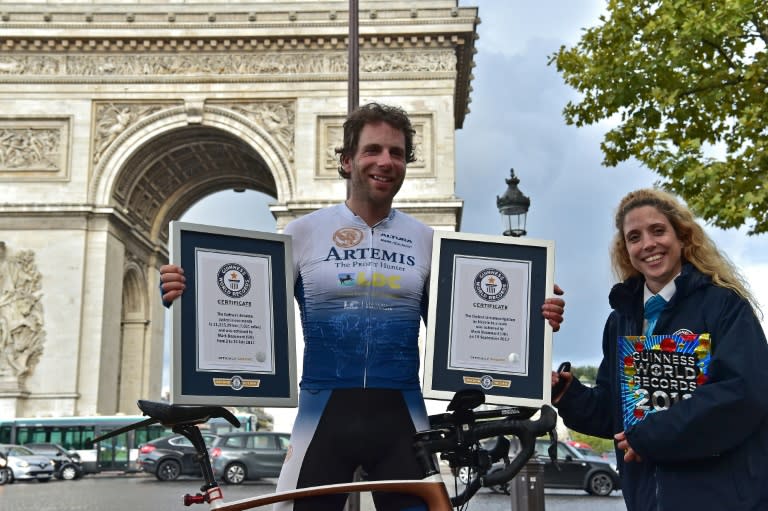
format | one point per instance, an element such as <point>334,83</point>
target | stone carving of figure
<point>21,317</point>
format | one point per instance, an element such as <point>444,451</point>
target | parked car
<point>5,472</point>
<point>171,456</point>
<point>25,464</point>
<point>572,470</point>
<point>239,456</point>
<point>66,464</point>
<point>583,447</point>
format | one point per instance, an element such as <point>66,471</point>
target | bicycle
<point>455,434</point>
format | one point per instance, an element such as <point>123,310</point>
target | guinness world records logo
<point>491,285</point>
<point>234,280</point>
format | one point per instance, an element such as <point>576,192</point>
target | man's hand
<point>173,282</point>
<point>554,309</point>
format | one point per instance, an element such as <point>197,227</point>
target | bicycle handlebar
<point>456,435</point>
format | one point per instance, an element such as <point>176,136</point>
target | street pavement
<point>141,492</point>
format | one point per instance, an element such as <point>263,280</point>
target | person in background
<point>709,451</point>
<point>362,271</point>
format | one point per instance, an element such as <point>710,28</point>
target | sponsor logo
<point>234,280</point>
<point>491,285</point>
<point>347,237</point>
<point>375,279</point>
<point>346,279</point>
<point>362,254</point>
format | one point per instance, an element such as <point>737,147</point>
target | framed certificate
<point>233,338</point>
<point>485,329</point>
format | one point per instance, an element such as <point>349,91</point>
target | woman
<point>709,451</point>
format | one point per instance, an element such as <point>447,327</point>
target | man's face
<point>377,169</point>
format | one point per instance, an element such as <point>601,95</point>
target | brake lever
<point>557,389</point>
<point>552,449</point>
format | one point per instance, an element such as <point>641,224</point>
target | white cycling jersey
<point>362,292</point>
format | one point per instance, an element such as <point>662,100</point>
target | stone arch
<point>121,170</point>
<point>133,379</point>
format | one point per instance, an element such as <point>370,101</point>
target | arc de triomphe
<point>116,116</point>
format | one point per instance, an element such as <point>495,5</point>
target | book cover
<point>658,371</point>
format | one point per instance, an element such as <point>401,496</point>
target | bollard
<point>527,488</point>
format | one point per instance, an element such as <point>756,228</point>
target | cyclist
<point>362,270</point>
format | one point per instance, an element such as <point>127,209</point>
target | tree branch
<point>721,51</point>
<point>761,30</point>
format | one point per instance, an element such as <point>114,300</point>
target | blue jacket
<point>709,452</point>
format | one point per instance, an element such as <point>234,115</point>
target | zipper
<point>367,308</point>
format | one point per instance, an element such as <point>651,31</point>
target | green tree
<point>586,374</point>
<point>687,82</point>
<point>599,445</point>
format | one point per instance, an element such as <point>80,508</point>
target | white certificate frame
<point>485,329</point>
<point>262,316</point>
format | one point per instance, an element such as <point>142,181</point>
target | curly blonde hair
<point>698,247</point>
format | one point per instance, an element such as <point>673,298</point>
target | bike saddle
<point>173,415</point>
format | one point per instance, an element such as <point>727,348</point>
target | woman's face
<point>653,247</point>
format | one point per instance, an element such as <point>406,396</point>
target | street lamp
<point>513,206</point>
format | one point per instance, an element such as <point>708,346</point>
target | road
<point>145,493</point>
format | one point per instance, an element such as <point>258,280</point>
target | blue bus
<point>114,454</point>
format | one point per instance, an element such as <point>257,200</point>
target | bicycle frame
<point>455,435</point>
<point>430,489</point>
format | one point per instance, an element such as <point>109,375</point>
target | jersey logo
<point>346,279</point>
<point>347,237</point>
<point>375,280</point>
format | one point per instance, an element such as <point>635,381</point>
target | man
<point>362,271</point>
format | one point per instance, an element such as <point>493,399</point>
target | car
<point>572,470</point>
<point>236,457</point>
<point>171,456</point>
<point>66,464</point>
<point>5,472</point>
<point>25,464</point>
<point>583,447</point>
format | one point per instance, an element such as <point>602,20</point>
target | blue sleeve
<point>591,410</point>
<point>160,287</point>
<point>725,411</point>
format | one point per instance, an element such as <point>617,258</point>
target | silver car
<point>24,464</point>
<point>236,457</point>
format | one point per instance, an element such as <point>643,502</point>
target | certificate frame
<point>485,329</point>
<point>232,331</point>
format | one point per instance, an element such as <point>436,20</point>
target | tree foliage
<point>687,82</point>
<point>599,445</point>
<point>585,373</point>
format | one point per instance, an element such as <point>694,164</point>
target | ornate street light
<point>513,206</point>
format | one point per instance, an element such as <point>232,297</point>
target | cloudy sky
<point>516,122</point>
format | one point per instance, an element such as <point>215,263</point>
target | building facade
<point>116,117</point>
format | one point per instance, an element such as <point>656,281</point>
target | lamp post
<point>513,206</point>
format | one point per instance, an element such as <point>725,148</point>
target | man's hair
<point>373,113</point>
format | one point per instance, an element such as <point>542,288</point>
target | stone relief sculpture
<point>277,119</point>
<point>255,63</point>
<point>30,148</point>
<point>112,119</point>
<point>21,317</point>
